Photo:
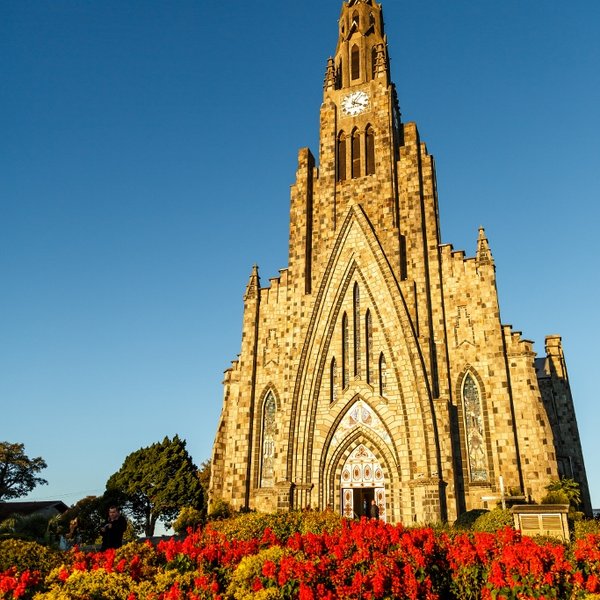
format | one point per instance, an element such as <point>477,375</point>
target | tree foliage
<point>81,523</point>
<point>567,487</point>
<point>154,483</point>
<point>18,472</point>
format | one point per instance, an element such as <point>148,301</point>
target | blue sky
<point>146,153</point>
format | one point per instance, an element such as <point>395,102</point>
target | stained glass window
<point>267,478</point>
<point>473,416</point>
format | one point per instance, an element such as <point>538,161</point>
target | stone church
<point>376,366</point>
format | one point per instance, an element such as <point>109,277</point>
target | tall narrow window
<point>355,62</point>
<point>333,381</point>
<point>355,19</point>
<point>344,351</point>
<point>382,375</point>
<point>370,151</point>
<point>355,154</point>
<point>267,472</point>
<point>341,157</point>
<point>368,344</point>
<point>356,324</point>
<point>473,418</point>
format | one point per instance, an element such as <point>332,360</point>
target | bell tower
<point>360,140</point>
<point>361,53</point>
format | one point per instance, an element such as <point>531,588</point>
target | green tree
<point>204,477</point>
<point>154,483</point>
<point>81,523</point>
<point>18,472</point>
<point>567,487</point>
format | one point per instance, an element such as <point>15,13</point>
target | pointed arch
<point>323,333</point>
<point>267,443</point>
<point>474,427</point>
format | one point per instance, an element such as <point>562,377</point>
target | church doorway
<point>362,481</point>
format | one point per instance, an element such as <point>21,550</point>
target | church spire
<point>361,53</point>
<point>253,287</point>
<point>484,254</point>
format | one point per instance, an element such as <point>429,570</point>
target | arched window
<point>333,381</point>
<point>267,471</point>
<point>344,351</point>
<point>474,431</point>
<point>368,344</point>
<point>355,154</point>
<point>341,157</point>
<point>369,151</point>
<point>355,62</point>
<point>356,324</point>
<point>371,19</point>
<point>382,375</point>
<point>355,19</point>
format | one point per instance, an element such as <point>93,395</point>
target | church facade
<point>376,366</point>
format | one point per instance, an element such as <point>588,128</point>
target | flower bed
<point>356,559</point>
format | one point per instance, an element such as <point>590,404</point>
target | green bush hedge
<point>25,555</point>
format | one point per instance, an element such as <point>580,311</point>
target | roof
<point>28,508</point>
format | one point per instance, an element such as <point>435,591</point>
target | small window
<point>370,151</point>
<point>368,344</point>
<point>341,157</point>
<point>356,302</point>
<point>333,381</point>
<point>345,351</point>
<point>355,154</point>
<point>355,62</point>
<point>356,19</point>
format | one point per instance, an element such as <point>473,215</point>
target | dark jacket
<point>374,511</point>
<point>112,533</point>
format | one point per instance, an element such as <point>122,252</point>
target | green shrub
<point>220,510</point>
<point>97,584</point>
<point>584,526</point>
<point>555,497</point>
<point>249,569</point>
<point>467,519</point>
<point>24,554</point>
<point>188,517</point>
<point>492,521</point>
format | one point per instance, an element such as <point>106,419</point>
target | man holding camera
<point>112,531</point>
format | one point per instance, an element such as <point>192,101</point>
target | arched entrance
<point>362,481</point>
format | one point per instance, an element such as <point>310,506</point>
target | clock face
<point>355,103</point>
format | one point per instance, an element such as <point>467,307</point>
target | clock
<point>355,103</point>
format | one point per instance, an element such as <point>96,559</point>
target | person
<point>112,531</point>
<point>374,513</point>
